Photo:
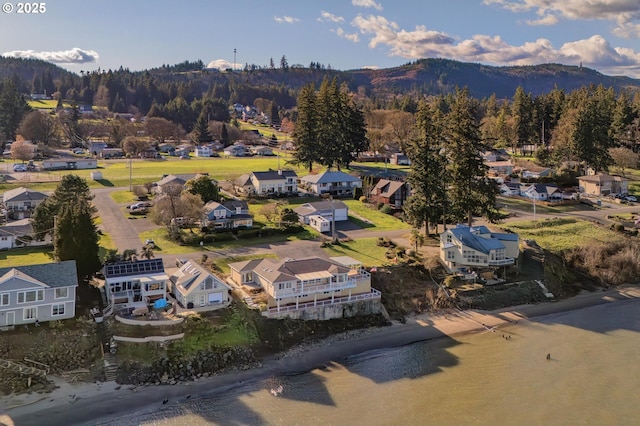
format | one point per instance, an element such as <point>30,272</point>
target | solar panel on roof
<point>134,268</point>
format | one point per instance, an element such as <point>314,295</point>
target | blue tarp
<point>160,303</point>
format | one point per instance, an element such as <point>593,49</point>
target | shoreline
<point>91,402</point>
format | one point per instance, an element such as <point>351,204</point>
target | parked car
<point>631,198</point>
<point>185,157</point>
<point>20,168</point>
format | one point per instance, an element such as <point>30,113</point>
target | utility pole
<point>234,59</point>
<point>130,174</point>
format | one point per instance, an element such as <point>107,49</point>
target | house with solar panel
<point>465,247</point>
<point>135,284</point>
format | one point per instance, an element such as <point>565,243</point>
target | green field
<point>46,104</point>
<point>365,250</point>
<point>562,233</point>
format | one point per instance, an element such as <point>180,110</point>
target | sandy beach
<point>88,403</point>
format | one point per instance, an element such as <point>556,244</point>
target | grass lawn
<point>26,256</point>
<point>562,233</point>
<point>366,217</point>
<point>164,245</point>
<point>506,203</point>
<point>121,197</point>
<point>365,250</point>
<point>46,104</point>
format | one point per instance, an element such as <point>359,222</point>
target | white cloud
<point>329,17</point>
<point>221,64</point>
<point>285,19</point>
<point>625,13</point>
<point>594,52</point>
<point>545,20</point>
<point>351,37</point>
<point>367,3</point>
<point>72,56</point>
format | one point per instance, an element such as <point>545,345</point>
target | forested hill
<point>189,80</point>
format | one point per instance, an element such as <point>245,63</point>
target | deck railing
<point>374,294</point>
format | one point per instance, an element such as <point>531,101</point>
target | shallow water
<point>497,378</point>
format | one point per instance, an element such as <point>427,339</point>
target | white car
<point>20,168</point>
<point>631,198</point>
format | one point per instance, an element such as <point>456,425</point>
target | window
<point>4,299</point>
<point>30,296</point>
<point>62,293</point>
<point>29,313</point>
<point>450,255</point>
<point>57,310</point>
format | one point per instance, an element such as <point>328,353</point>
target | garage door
<point>215,297</point>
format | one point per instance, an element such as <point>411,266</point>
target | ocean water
<point>484,378</point>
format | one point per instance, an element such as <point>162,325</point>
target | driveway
<point>124,232</point>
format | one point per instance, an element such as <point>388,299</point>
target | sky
<point>84,35</point>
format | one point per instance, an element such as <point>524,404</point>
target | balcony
<point>374,294</point>
<point>314,288</point>
<point>502,262</point>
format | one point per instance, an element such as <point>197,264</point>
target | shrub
<point>449,281</point>
<point>221,236</point>
<point>618,227</point>
<point>363,199</point>
<point>386,209</point>
<point>249,233</point>
<point>190,239</point>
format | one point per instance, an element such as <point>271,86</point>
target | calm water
<point>593,378</point>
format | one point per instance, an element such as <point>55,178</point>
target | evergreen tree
<point>307,128</point>
<point>522,111</point>
<point>224,136</point>
<point>201,129</point>
<point>68,216</point>
<point>427,175</point>
<point>13,108</point>
<point>471,191</point>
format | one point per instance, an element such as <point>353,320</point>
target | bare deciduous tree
<point>23,150</point>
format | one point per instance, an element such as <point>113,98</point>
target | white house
<point>296,286</point>
<point>20,202</point>
<point>136,283</point>
<point>37,293</point>
<point>541,192</point>
<point>19,233</point>
<point>464,247</point>
<point>204,151</point>
<point>196,288</point>
<point>273,182</point>
<point>320,214</point>
<point>330,182</point>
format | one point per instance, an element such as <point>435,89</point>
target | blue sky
<point>346,34</point>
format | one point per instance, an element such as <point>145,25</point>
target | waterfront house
<point>312,288</point>
<point>331,183</point>
<point>469,247</point>
<point>135,283</point>
<point>603,185</point>
<point>194,287</point>
<point>38,293</point>
<point>231,214</point>
<point>21,202</point>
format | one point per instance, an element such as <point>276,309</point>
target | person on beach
<point>548,357</point>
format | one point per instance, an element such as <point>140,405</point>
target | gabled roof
<point>244,180</point>
<point>387,187</point>
<point>23,194</point>
<point>274,175</point>
<point>291,270</point>
<point>330,177</point>
<point>234,204</point>
<point>602,178</point>
<point>59,274</point>
<point>542,188</point>
<point>177,179</point>
<point>318,206</point>
<point>191,274</point>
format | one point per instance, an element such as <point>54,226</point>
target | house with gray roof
<point>320,214</point>
<point>230,214</point>
<point>21,202</point>
<point>19,233</point>
<point>477,247</point>
<point>273,182</point>
<point>335,183</point>
<point>194,287</point>
<point>312,288</point>
<point>37,293</point>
